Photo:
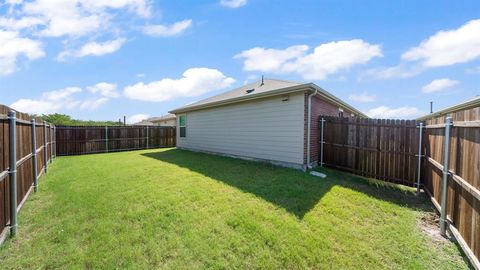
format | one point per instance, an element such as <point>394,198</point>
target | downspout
<point>309,124</point>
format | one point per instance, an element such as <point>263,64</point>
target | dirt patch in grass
<point>429,223</point>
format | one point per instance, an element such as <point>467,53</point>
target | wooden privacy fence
<point>463,175</point>
<point>399,152</point>
<point>26,149</point>
<point>378,148</point>
<point>88,140</point>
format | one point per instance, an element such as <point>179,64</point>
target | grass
<point>176,209</point>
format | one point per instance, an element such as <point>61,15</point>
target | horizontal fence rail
<point>88,140</point>
<point>27,145</point>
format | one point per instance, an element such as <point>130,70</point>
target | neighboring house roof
<point>269,87</point>
<point>472,103</point>
<point>144,123</point>
<point>162,118</point>
<point>152,120</point>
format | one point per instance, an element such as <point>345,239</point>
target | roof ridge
<point>281,80</point>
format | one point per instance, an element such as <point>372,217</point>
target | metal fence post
<point>147,137</point>
<point>322,142</point>
<point>12,171</point>
<point>34,156</point>
<point>419,165</point>
<point>446,161</point>
<point>45,161</point>
<point>106,139</point>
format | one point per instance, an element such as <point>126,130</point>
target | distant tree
<point>66,120</point>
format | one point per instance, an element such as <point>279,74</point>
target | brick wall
<point>319,107</point>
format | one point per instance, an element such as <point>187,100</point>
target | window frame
<point>182,127</point>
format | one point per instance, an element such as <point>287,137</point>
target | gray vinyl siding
<point>267,129</point>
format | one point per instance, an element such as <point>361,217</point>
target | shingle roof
<point>268,85</point>
<point>143,123</point>
<point>160,118</point>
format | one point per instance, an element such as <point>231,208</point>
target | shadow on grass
<point>295,191</point>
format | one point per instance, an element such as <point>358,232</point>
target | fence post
<point>420,134</point>
<point>106,139</point>
<point>55,140</point>
<point>443,199</point>
<point>45,149</point>
<point>12,171</point>
<point>322,142</point>
<point>51,143</point>
<point>147,137</point>
<point>34,156</point>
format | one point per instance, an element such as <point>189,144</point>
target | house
<point>168,120</point>
<point>270,120</point>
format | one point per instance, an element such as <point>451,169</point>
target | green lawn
<point>176,209</point>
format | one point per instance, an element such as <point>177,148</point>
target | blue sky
<point>101,59</point>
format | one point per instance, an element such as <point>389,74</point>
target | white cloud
<point>385,112</point>
<point>326,59</point>
<point>12,47</point>
<point>140,7</point>
<point>399,71</point>
<point>93,49</point>
<point>269,60</point>
<point>160,30</point>
<point>332,57</point>
<point>448,47</point>
<point>63,17</point>
<point>104,89</point>
<point>92,104</point>
<point>65,99</point>
<point>137,118</point>
<point>22,23</point>
<point>50,102</point>
<point>195,82</point>
<point>439,85</point>
<point>13,2</point>
<point>78,22</point>
<point>444,48</point>
<point>77,17</point>
<point>473,70</point>
<point>233,3</point>
<point>362,98</point>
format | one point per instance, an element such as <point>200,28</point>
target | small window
<point>182,123</point>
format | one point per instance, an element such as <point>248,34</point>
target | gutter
<point>309,124</point>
